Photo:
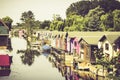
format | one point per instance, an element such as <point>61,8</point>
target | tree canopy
<point>82,7</point>
<point>85,15</point>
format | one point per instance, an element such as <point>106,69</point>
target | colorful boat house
<point>4,35</point>
<point>110,45</point>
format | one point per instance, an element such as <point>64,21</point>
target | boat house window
<point>75,43</point>
<point>106,46</point>
<point>82,46</point>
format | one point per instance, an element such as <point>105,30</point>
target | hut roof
<point>111,38</point>
<point>3,28</point>
<point>92,40</point>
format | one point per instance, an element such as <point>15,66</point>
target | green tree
<point>57,23</point>
<point>107,22</point>
<point>28,19</point>
<point>116,14</point>
<point>53,25</point>
<point>82,7</point>
<point>60,25</point>
<point>116,63</point>
<point>8,21</point>
<point>101,59</point>
<point>37,24</point>
<point>109,5</point>
<point>92,20</point>
<point>74,22</point>
<point>66,29</point>
<point>45,24</point>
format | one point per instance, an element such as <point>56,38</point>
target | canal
<point>29,66</point>
<point>38,69</point>
<point>38,66</point>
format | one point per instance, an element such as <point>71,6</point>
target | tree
<point>82,7</point>
<point>101,59</point>
<point>116,14</point>
<point>107,22</point>
<point>53,25</point>
<point>45,24</point>
<point>109,5</point>
<point>57,23</point>
<point>116,63</point>
<point>37,24</point>
<point>92,19</point>
<point>74,22</point>
<point>28,19</point>
<point>8,21</point>
<point>27,16</point>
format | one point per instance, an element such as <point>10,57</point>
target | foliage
<point>101,59</point>
<point>45,24</point>
<point>107,21</point>
<point>28,19</point>
<point>57,23</point>
<point>109,5</point>
<point>28,56</point>
<point>116,68</point>
<point>82,7</point>
<point>116,18</point>
<point>37,24</point>
<point>95,15</point>
<point>116,61</point>
<point>89,15</point>
<point>27,16</point>
<point>66,29</point>
<point>92,22</point>
<point>74,23</point>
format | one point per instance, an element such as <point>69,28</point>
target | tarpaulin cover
<point>4,60</point>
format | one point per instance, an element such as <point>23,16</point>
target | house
<point>4,35</point>
<point>72,44</point>
<point>57,41</point>
<point>117,43</point>
<point>110,45</point>
<point>88,44</point>
<point>67,46</point>
<point>76,46</point>
<point>62,42</point>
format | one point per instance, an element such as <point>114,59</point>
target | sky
<point>42,9</point>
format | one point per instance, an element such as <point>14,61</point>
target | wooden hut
<point>4,35</point>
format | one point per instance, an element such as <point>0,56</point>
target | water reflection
<point>71,74</point>
<point>5,72</point>
<point>28,56</point>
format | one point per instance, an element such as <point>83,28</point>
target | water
<point>40,69</point>
<point>38,66</point>
<point>29,66</point>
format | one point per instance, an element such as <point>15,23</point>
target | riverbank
<point>63,60</point>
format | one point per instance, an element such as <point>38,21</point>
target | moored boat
<point>46,48</point>
<point>5,59</point>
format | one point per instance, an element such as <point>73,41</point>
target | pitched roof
<point>110,38</point>
<point>72,38</point>
<point>92,40</point>
<point>3,28</point>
